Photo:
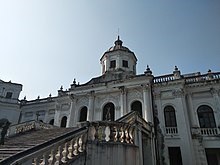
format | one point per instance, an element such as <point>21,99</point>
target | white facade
<point>184,109</point>
<point>9,106</point>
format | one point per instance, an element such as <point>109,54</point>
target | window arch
<point>137,106</point>
<point>51,122</point>
<point>206,117</point>
<point>170,116</point>
<point>109,112</point>
<point>83,114</point>
<point>63,121</point>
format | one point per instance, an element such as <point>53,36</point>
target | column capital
<point>178,92</point>
<point>92,94</point>
<point>214,91</point>
<point>122,89</point>
<point>145,86</point>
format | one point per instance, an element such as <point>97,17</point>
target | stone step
<point>27,140</point>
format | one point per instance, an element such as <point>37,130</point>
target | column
<point>123,101</point>
<point>72,117</point>
<point>184,129</point>
<point>147,107</point>
<point>57,115</point>
<point>191,111</point>
<point>91,106</point>
<point>215,95</point>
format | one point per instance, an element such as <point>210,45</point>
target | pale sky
<point>47,43</point>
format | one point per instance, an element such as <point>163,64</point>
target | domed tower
<point>118,61</point>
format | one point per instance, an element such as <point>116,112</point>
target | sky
<point>47,43</point>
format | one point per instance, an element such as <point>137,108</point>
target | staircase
<point>30,139</point>
<point>98,142</point>
<point>34,142</point>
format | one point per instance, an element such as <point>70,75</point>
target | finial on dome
<point>118,41</point>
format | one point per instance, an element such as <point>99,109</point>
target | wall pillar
<point>123,101</point>
<point>191,111</point>
<point>72,117</point>
<point>147,107</point>
<point>91,106</point>
<point>187,150</point>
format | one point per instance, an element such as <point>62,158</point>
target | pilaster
<point>123,100</point>
<point>91,106</point>
<point>147,106</point>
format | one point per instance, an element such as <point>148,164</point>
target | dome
<point>118,59</point>
<point>118,46</point>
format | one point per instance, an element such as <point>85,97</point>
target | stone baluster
<point>96,132</point>
<point>64,154</point>
<point>44,160</point>
<point>99,131</point>
<point>92,132</point>
<point>127,138</point>
<point>116,134</point>
<point>103,133</point>
<point>75,146</point>
<point>35,161</point>
<point>131,134</point>
<point>112,131</point>
<point>70,149</point>
<point>51,158</point>
<point>80,149</point>
<point>58,156</point>
<point>122,134</point>
<point>107,133</point>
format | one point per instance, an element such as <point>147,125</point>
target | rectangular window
<point>175,156</point>
<point>8,95</point>
<point>112,64</point>
<point>125,63</point>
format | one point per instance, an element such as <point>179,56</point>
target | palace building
<point>119,117</point>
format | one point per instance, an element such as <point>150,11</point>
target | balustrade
<point>165,78</point>
<point>111,132</point>
<point>61,153</point>
<point>205,131</point>
<point>171,131</point>
<point>67,147</point>
<point>208,131</point>
<point>27,126</point>
<point>204,77</point>
<point>192,79</point>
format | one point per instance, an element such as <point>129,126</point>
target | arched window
<point>63,122</point>
<point>206,117</point>
<point>170,116</point>
<point>83,114</point>
<point>137,106</point>
<point>109,112</point>
<point>51,122</point>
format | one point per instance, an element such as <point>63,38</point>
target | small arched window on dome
<point>112,63</point>
<point>206,117</point>
<point>170,116</point>
<point>63,122</point>
<point>83,114</point>
<point>125,63</point>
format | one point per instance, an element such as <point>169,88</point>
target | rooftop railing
<point>188,79</point>
<point>164,78</point>
<point>203,78</point>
